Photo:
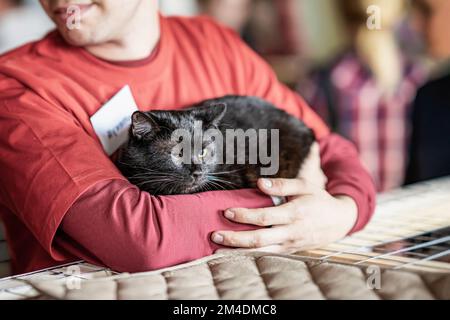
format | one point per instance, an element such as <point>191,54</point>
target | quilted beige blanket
<point>255,276</point>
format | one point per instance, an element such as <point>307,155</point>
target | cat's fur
<point>148,161</point>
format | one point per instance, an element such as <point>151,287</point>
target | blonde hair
<point>377,48</point>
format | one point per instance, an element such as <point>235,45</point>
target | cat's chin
<point>188,189</point>
<point>194,189</point>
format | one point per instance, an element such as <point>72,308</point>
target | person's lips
<point>63,13</point>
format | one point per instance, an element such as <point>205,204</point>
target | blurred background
<point>358,63</point>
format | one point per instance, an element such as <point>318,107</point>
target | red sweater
<point>53,167</point>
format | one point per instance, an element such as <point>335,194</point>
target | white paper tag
<point>113,120</point>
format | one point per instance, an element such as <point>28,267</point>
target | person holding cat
<point>63,199</point>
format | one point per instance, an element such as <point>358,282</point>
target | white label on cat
<point>112,121</point>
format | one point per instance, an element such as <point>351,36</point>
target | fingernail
<point>217,238</point>
<point>267,183</point>
<point>229,214</point>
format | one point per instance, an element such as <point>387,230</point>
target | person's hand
<point>311,218</point>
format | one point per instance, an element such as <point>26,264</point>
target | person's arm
<point>116,225</point>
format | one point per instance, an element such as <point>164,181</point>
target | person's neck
<point>137,41</point>
<point>379,50</point>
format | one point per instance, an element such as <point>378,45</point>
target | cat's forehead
<point>183,120</point>
<point>187,120</point>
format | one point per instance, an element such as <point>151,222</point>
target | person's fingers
<point>253,239</point>
<point>264,217</point>
<point>286,187</point>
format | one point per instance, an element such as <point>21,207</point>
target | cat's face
<point>166,155</point>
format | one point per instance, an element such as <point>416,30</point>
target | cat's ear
<point>142,124</point>
<point>214,113</point>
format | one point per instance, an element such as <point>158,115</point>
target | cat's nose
<point>197,174</point>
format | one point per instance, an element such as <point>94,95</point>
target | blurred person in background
<point>268,27</point>
<point>262,24</point>
<point>232,13</point>
<point>366,93</point>
<point>21,21</point>
<point>430,143</point>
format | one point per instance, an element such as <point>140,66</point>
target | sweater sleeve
<point>117,225</point>
<point>347,176</point>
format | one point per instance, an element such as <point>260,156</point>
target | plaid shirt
<point>348,98</point>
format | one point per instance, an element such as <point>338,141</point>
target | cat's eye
<point>180,139</point>
<point>180,155</point>
<point>203,154</point>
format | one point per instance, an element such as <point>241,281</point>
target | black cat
<point>160,159</point>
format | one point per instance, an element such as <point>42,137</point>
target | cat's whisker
<point>143,183</point>
<point>173,188</point>
<point>226,182</point>
<point>219,179</point>
<point>226,172</point>
<point>133,166</point>
<point>205,187</point>
<point>152,176</point>
<point>146,170</point>
<point>152,179</point>
<point>215,184</point>
<point>168,185</point>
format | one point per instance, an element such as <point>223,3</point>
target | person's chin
<point>78,38</point>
